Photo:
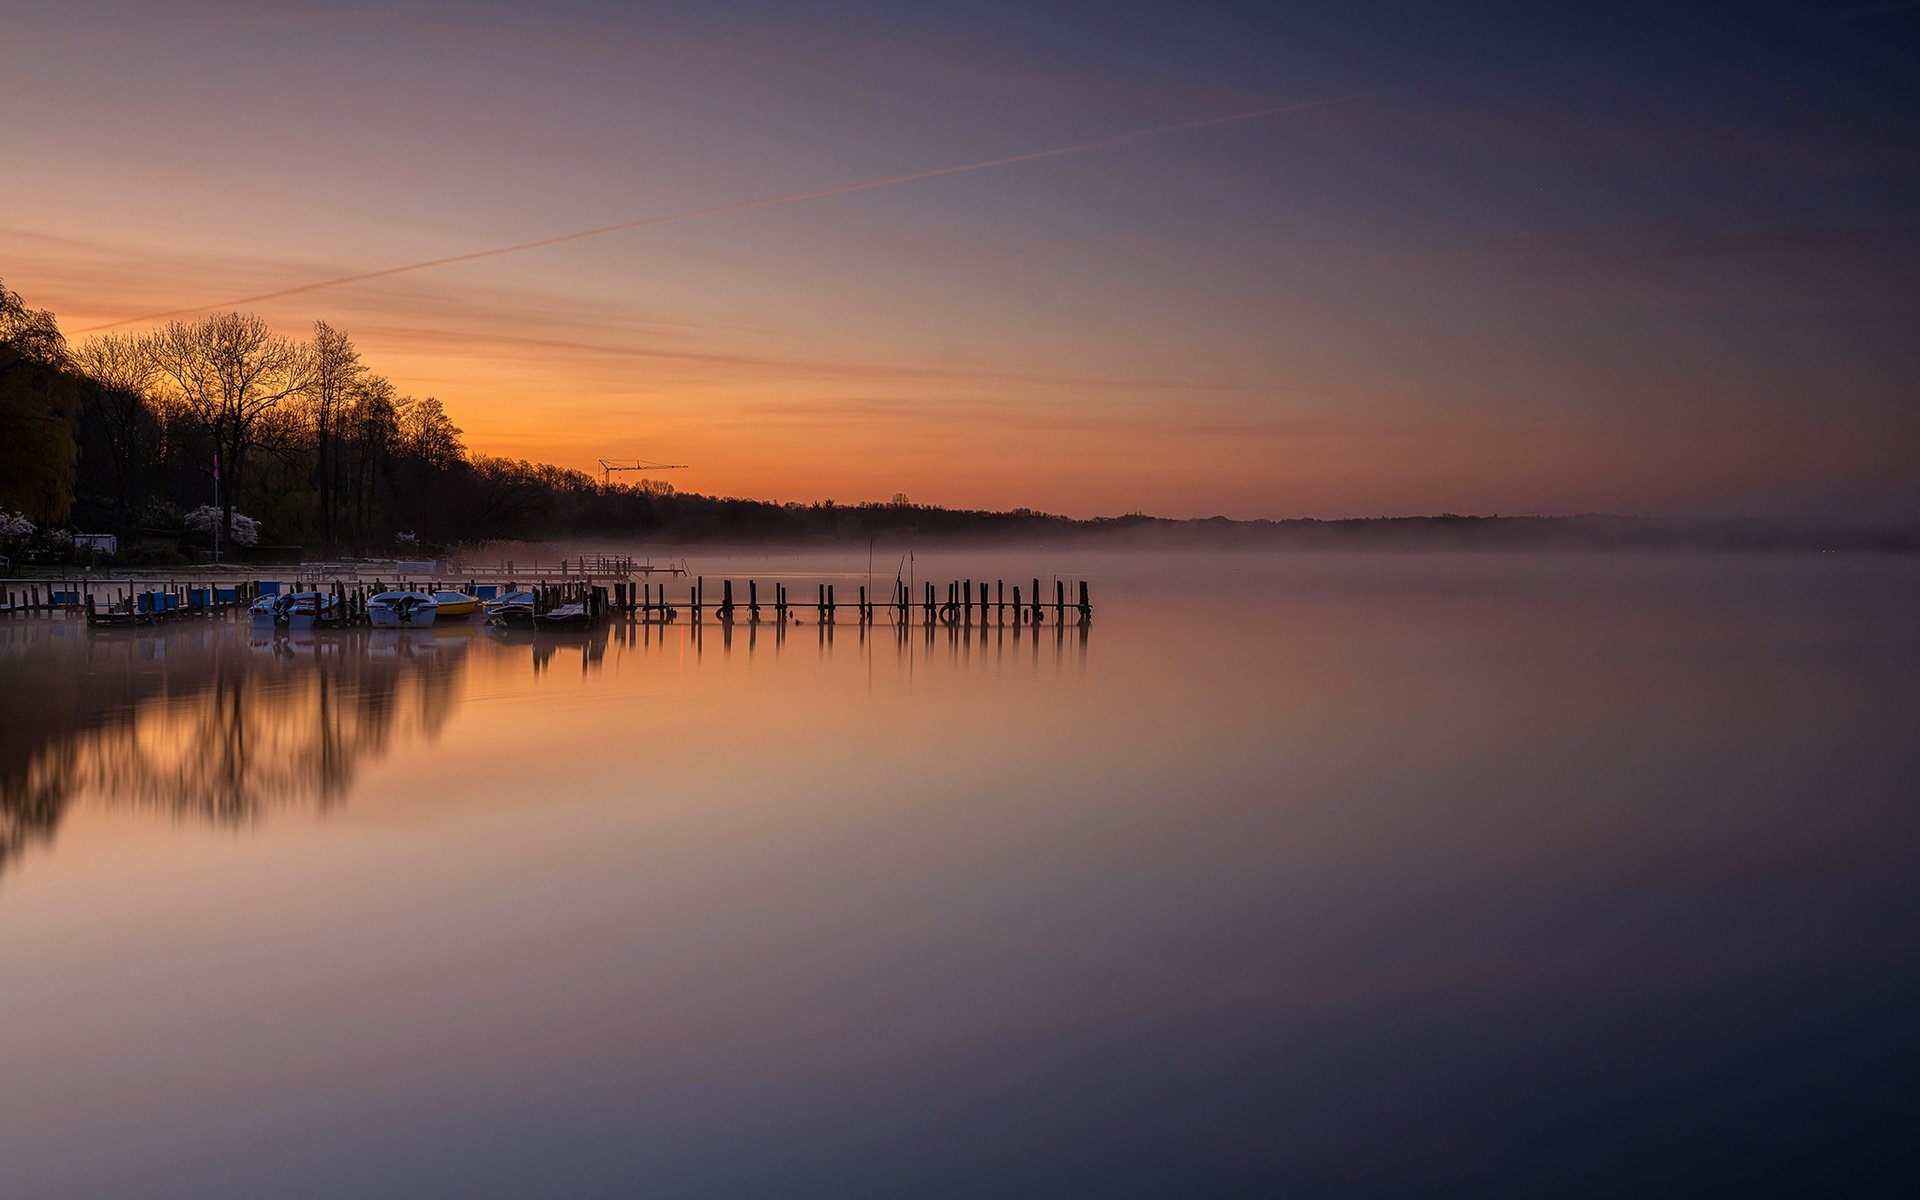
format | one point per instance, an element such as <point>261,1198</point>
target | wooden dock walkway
<point>960,603</point>
<point>589,568</point>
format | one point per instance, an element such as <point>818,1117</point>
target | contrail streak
<point>720,210</point>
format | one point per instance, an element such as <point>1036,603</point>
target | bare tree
<point>229,370</point>
<point>116,390</point>
<point>369,430</point>
<point>337,373</point>
<point>116,360</point>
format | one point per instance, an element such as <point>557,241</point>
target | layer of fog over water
<point>1325,873</point>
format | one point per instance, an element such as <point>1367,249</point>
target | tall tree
<point>229,370</point>
<point>38,412</point>
<point>369,430</point>
<point>337,372</point>
<point>429,436</point>
<point>120,428</point>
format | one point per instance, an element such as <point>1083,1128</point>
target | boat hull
<point>455,606</point>
<point>512,616</point>
<point>402,610</point>
<point>388,618</point>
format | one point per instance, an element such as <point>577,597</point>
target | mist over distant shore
<point>684,519</point>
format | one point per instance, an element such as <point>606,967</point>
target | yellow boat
<point>454,605</point>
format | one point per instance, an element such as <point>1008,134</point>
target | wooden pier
<point>587,568</point>
<point>958,603</point>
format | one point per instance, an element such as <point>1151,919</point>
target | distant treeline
<point>124,432</point>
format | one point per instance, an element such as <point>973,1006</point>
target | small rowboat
<point>567,616</point>
<point>392,610</point>
<point>515,615</point>
<point>455,605</point>
<point>296,610</point>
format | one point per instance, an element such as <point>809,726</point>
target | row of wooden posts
<point>961,602</point>
<point>73,595</point>
<point>961,605</point>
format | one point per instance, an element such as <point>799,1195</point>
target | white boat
<point>298,610</point>
<point>396,610</point>
<point>304,610</point>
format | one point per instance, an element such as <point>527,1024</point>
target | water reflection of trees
<point>210,723</point>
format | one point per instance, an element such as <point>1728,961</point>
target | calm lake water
<point>1317,874</point>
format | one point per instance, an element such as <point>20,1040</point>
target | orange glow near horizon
<point>1273,306</point>
<point>797,414</point>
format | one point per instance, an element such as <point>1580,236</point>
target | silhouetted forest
<point>123,434</point>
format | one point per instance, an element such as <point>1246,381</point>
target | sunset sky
<point>1520,260</point>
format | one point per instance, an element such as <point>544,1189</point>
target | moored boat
<point>392,610</point>
<point>522,596</point>
<point>513,610</point>
<point>567,616</point>
<point>304,610</point>
<point>454,605</point>
<point>512,614</point>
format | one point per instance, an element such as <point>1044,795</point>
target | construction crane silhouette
<point>609,465</point>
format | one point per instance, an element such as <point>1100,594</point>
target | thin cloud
<point>718,210</point>
<point>773,364</point>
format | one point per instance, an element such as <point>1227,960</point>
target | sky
<point>1479,258</point>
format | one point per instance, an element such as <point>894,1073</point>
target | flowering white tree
<point>14,528</point>
<point>243,531</point>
